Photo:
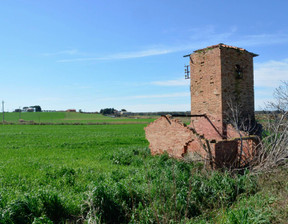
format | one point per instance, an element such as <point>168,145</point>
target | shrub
<point>53,206</point>
<point>64,175</point>
<point>249,210</point>
<point>23,211</point>
<point>100,205</point>
<point>129,157</point>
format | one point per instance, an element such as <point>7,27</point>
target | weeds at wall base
<point>170,191</point>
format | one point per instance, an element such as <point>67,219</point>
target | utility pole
<point>3,110</point>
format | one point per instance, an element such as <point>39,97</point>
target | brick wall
<point>237,87</point>
<point>168,135</point>
<point>221,74</point>
<point>206,80</point>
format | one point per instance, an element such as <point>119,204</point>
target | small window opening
<point>239,71</point>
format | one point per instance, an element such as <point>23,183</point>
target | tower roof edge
<point>221,45</point>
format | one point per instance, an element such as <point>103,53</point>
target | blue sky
<point>92,54</point>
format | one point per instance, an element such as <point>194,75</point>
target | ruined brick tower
<point>221,80</point>
<point>222,89</point>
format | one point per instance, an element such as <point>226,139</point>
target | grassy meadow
<point>105,174</point>
<point>68,118</point>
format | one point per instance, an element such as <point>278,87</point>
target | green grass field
<point>62,159</point>
<point>105,174</point>
<point>69,117</point>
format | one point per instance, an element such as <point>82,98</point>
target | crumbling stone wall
<point>173,137</point>
<point>168,135</point>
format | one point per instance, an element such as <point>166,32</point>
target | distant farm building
<point>28,109</point>
<point>71,110</point>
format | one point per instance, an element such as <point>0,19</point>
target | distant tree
<point>107,111</point>
<point>123,110</point>
<point>37,108</point>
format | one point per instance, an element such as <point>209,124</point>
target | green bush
<point>22,211</point>
<point>102,206</point>
<point>253,210</point>
<point>129,157</point>
<point>66,176</point>
<point>53,206</point>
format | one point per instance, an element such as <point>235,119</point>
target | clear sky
<point>92,54</point>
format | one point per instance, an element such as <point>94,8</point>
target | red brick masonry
<point>172,136</point>
<point>219,74</point>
